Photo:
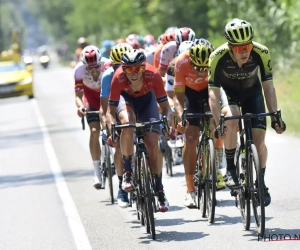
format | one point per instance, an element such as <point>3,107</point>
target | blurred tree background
<point>276,24</point>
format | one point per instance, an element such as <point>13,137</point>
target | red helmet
<point>134,43</point>
<point>168,37</point>
<point>149,39</point>
<point>184,34</point>
<point>91,55</point>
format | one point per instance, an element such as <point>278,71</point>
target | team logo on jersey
<point>241,75</point>
<point>261,48</point>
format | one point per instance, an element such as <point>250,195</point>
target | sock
<point>263,171</point>
<point>230,158</point>
<point>158,181</point>
<point>97,170</point>
<point>189,178</point>
<point>120,181</point>
<point>127,160</point>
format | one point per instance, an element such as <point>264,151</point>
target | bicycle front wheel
<point>148,194</point>
<point>200,172</point>
<point>210,180</point>
<point>109,173</point>
<point>244,192</point>
<point>257,194</point>
<point>168,159</point>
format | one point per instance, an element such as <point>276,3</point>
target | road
<point>48,202</point>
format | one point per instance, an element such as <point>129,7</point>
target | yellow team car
<point>15,79</point>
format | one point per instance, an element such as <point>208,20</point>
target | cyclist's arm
<point>179,87</point>
<point>104,94</point>
<point>166,110</point>
<point>78,99</point>
<point>270,96</point>
<point>214,103</point>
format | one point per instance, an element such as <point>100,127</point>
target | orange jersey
<point>185,75</point>
<point>156,57</point>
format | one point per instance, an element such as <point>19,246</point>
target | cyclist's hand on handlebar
<point>81,111</point>
<point>277,128</point>
<point>182,129</point>
<point>169,135</point>
<point>218,134</point>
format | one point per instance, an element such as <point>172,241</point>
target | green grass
<point>287,84</point>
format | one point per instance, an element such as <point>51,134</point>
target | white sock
<point>97,166</point>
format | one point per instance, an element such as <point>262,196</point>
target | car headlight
<point>27,80</point>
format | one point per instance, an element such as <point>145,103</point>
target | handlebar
<point>222,118</point>
<point>87,112</point>
<point>163,121</point>
<point>186,115</point>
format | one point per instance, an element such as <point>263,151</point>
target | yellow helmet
<point>117,52</point>
<point>199,54</point>
<point>238,31</point>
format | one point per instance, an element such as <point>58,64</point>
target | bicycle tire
<point>104,167</point>
<point>148,195</point>
<point>243,197</point>
<point>210,181</point>
<point>137,185</point>
<point>201,193</point>
<point>257,197</point>
<point>109,174</point>
<point>168,159</point>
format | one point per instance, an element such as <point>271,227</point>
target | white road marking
<point>76,226</point>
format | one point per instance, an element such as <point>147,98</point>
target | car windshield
<point>11,67</point>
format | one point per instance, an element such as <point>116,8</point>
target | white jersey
<point>168,53</point>
<point>83,77</point>
<point>149,52</point>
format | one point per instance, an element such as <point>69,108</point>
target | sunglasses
<point>137,69</point>
<point>200,68</point>
<point>97,66</point>
<point>240,48</point>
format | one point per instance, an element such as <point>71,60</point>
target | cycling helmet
<point>149,39</point>
<point>200,41</point>
<point>133,57</point>
<point>134,43</point>
<point>141,41</point>
<point>91,55</point>
<point>120,40</point>
<point>117,52</point>
<point>171,28</point>
<point>199,54</point>
<point>238,31</point>
<point>159,39</point>
<point>81,40</point>
<point>168,37</point>
<point>184,46</point>
<point>184,34</point>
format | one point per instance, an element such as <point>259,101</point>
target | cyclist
<point>115,57</point>
<point>191,90</point>
<point>87,75</point>
<point>135,89</point>
<point>82,43</point>
<point>234,66</point>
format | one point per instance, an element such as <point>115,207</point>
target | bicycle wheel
<point>148,194</point>
<point>201,193</point>
<point>243,196</point>
<point>168,159</point>
<point>135,195</point>
<point>210,180</point>
<point>257,195</point>
<point>109,173</point>
<point>104,165</point>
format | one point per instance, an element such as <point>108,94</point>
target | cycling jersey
<point>149,52</point>
<point>151,81</point>
<point>185,75</point>
<point>91,88</point>
<point>225,72</point>
<point>169,51</point>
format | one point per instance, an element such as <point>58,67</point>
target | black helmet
<point>133,57</point>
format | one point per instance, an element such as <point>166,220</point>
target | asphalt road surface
<point>47,200</point>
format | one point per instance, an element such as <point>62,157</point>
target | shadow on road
<point>13,181</point>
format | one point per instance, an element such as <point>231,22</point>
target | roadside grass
<point>287,84</point>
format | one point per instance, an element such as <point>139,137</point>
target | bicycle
<point>249,173</point>
<point>107,153</point>
<point>145,192</point>
<point>205,177</point>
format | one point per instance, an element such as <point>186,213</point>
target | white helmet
<point>184,34</point>
<point>184,46</point>
<point>91,55</point>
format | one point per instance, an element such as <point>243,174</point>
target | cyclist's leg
<point>255,105</point>
<point>152,134</point>
<point>94,143</point>
<point>230,140</point>
<point>126,115</point>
